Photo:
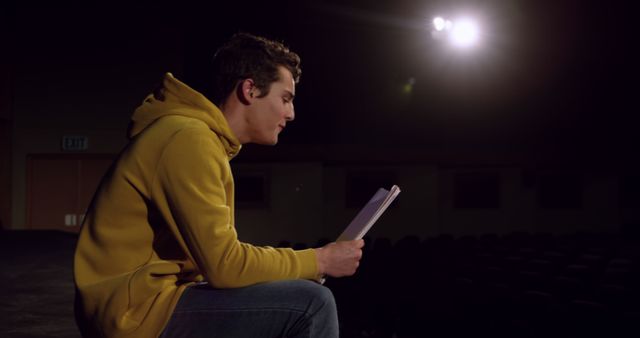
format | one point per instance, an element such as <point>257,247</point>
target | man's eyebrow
<point>290,94</point>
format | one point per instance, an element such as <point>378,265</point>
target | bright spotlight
<point>439,24</point>
<point>461,33</point>
<point>464,33</point>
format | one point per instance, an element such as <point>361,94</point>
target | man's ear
<point>246,91</point>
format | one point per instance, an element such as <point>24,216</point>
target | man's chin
<point>271,142</point>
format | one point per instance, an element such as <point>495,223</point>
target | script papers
<point>369,214</point>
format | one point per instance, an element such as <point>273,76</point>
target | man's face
<point>269,115</point>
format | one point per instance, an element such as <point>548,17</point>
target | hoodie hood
<point>176,98</point>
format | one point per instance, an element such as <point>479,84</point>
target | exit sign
<point>75,143</point>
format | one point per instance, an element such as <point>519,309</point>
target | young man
<point>158,254</point>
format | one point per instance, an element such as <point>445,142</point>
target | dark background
<point>556,76</point>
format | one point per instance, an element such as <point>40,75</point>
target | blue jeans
<point>293,308</point>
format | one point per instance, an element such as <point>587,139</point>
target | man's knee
<point>320,297</point>
<point>323,295</point>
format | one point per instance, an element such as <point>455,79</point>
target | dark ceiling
<point>546,74</point>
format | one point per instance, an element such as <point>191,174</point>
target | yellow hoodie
<point>163,219</point>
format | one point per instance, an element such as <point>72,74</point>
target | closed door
<point>60,188</point>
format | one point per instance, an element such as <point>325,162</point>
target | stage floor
<point>36,284</point>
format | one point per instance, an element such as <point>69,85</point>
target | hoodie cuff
<point>308,264</point>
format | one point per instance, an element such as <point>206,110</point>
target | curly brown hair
<point>246,56</point>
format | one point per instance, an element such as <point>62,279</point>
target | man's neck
<point>233,112</point>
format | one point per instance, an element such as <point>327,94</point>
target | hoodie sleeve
<point>193,177</point>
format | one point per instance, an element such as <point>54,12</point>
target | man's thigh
<point>295,308</point>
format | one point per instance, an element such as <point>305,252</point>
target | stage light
<point>439,23</point>
<point>461,33</point>
<point>464,33</point>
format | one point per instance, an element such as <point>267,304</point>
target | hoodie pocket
<point>146,284</point>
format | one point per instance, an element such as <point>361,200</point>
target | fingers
<point>342,258</point>
<point>356,248</point>
<point>355,253</point>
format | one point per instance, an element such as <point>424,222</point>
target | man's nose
<point>291,115</point>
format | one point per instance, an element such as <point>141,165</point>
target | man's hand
<point>340,259</point>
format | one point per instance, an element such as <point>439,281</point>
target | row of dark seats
<point>519,284</point>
